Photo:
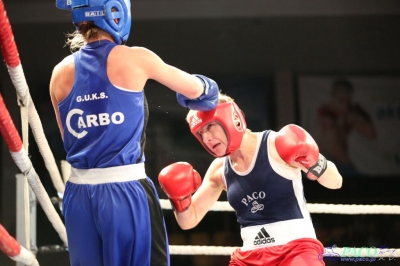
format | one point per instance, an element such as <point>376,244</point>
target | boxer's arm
<point>61,82</point>
<point>196,92</point>
<point>177,80</point>
<point>204,198</point>
<point>331,178</point>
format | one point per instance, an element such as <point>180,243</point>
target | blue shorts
<point>115,224</point>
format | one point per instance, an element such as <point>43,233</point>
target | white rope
<point>348,252</point>
<point>23,162</point>
<point>329,252</point>
<point>44,148</point>
<point>26,257</point>
<point>18,79</point>
<point>353,209</point>
<point>350,209</point>
<point>200,250</point>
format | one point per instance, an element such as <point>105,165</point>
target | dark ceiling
<point>38,11</point>
<point>230,38</point>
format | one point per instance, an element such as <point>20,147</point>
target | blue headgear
<point>100,12</point>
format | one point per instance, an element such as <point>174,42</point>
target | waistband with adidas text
<point>275,234</point>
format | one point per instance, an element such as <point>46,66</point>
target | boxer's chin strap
<point>319,168</point>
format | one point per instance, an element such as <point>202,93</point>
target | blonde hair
<point>80,37</point>
<point>222,98</point>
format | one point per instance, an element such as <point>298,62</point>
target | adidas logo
<point>263,238</point>
<point>195,120</point>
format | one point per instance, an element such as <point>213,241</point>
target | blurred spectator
<point>336,119</point>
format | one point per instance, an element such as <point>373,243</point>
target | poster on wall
<point>355,121</point>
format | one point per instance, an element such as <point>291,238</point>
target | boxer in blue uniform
<point>111,208</point>
<point>261,173</point>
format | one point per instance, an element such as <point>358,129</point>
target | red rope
<point>8,45</point>
<point>8,244</point>
<point>8,129</point>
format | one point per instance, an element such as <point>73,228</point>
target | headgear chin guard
<point>103,13</point>
<point>229,116</point>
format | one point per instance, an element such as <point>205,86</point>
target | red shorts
<point>300,252</point>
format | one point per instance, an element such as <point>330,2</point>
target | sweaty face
<point>214,137</point>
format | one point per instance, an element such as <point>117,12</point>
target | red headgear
<point>229,116</point>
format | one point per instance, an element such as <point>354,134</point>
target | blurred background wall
<point>258,51</point>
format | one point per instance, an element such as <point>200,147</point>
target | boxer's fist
<point>294,144</point>
<point>179,181</point>
<point>208,100</point>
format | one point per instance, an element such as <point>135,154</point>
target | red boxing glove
<point>179,181</point>
<point>294,144</point>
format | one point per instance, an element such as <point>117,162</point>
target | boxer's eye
<point>206,129</point>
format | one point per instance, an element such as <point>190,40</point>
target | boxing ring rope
<point>14,250</point>
<point>17,148</point>
<point>349,209</point>
<point>11,57</point>
<point>9,245</point>
<point>227,251</point>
